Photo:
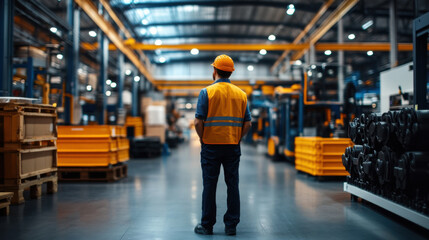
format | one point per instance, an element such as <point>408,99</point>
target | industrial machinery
<point>390,158</point>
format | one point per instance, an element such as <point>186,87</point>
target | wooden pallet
<point>93,174</point>
<point>34,108</point>
<point>5,198</point>
<point>34,184</point>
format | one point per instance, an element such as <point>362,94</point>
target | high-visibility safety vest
<point>226,108</point>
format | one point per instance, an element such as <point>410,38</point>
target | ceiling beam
<point>330,21</point>
<point>121,26</point>
<point>216,36</point>
<point>307,28</point>
<point>224,3</point>
<point>221,22</point>
<point>92,11</point>
<point>364,46</point>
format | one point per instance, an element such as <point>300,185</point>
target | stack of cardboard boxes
<point>155,118</point>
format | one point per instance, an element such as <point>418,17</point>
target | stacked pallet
<point>28,151</point>
<point>92,153</point>
<point>319,156</point>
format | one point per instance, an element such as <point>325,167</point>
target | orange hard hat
<point>224,62</point>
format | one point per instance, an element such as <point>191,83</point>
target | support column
<point>420,53</point>
<point>340,62</point>
<point>6,46</point>
<point>103,58</point>
<point>393,34</point>
<point>120,76</point>
<point>312,55</point>
<point>72,61</point>
<point>134,104</point>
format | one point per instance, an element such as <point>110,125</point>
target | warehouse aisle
<point>161,200</point>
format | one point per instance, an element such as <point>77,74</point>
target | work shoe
<point>230,231</point>
<point>200,229</point>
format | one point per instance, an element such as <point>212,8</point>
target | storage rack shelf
<point>393,207</point>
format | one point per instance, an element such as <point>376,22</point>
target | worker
<point>222,118</point>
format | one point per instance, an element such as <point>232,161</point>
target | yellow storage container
<point>86,159</point>
<point>123,143</point>
<point>321,156</point>
<point>82,132</point>
<point>123,155</point>
<point>137,123</point>
<point>87,145</point>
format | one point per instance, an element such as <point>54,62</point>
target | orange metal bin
<point>321,156</point>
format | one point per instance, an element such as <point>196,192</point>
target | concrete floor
<point>161,199</point>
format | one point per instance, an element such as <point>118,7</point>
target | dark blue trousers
<point>212,157</point>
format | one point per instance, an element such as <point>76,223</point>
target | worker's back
<point>226,109</point>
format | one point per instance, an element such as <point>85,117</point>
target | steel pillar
<point>134,104</point>
<point>121,77</point>
<point>340,62</point>
<point>102,77</point>
<point>6,46</point>
<point>72,61</point>
<point>29,82</point>
<point>420,41</point>
<point>312,55</point>
<point>393,35</point>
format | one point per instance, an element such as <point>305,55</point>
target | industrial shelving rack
<point>420,41</point>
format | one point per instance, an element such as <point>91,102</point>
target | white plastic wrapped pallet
<point>155,115</point>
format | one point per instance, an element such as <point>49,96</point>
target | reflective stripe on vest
<point>226,108</point>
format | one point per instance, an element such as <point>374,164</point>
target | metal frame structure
<point>6,46</point>
<point>420,41</point>
<point>390,206</point>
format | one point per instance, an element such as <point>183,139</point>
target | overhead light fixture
<point>368,24</point>
<point>113,85</point>
<point>313,66</point>
<point>195,51</point>
<point>128,72</point>
<point>262,51</point>
<point>250,68</point>
<point>137,79</point>
<point>146,11</point>
<point>108,93</point>
<point>92,33</point>
<point>162,59</point>
<point>290,9</point>
<point>158,42</point>
<point>108,81</point>
<point>188,8</point>
<point>153,30</point>
<point>127,1</point>
<point>298,62</point>
<point>188,106</point>
<point>88,88</point>
<point>370,53</point>
<point>328,52</point>
<point>60,56</point>
<point>53,29</point>
<point>272,37</point>
<point>351,36</point>
<point>145,22</point>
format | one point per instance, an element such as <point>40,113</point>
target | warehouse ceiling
<point>230,21</point>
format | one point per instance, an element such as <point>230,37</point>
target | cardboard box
<point>144,103</point>
<point>156,131</point>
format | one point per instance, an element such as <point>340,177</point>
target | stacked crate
<point>321,156</point>
<point>123,153</point>
<point>134,126</point>
<point>28,150</point>
<point>93,152</point>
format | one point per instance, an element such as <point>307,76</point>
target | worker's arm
<point>246,127</point>
<point>199,127</point>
